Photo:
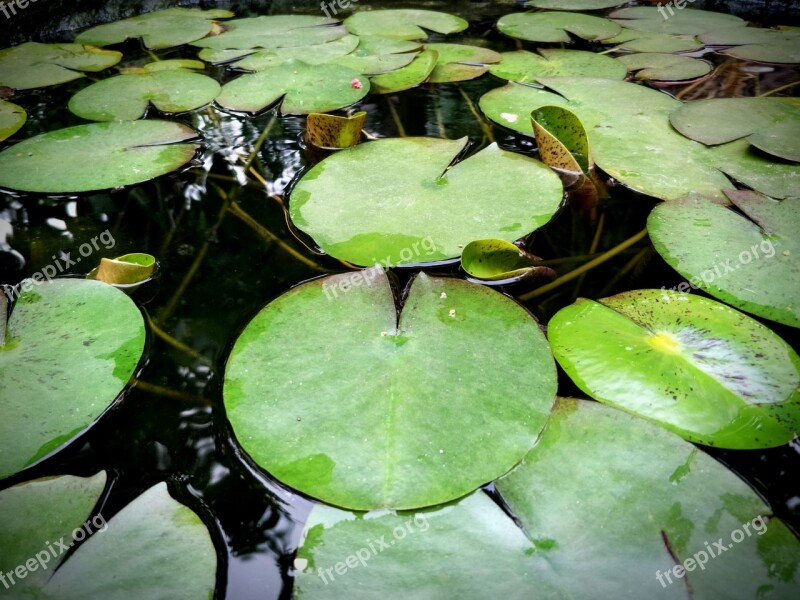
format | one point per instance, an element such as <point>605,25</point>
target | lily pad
<point>575,4</point>
<point>124,270</point>
<point>158,29</point>
<point>170,65</point>
<point>96,156</point>
<point>758,44</point>
<point>695,366</point>
<point>33,65</point>
<point>275,31</point>
<point>416,72</point>
<point>747,260</point>
<point>556,26</point>
<point>496,260</point>
<point>459,62</point>
<point>768,124</point>
<point>12,118</point>
<point>375,55</point>
<point>333,131</point>
<point>372,437</point>
<point>655,66</point>
<point>527,67</point>
<point>127,97</point>
<point>380,200</point>
<point>314,55</point>
<point>404,23</point>
<point>686,21</point>
<point>90,336</point>
<point>645,41</point>
<point>562,140</point>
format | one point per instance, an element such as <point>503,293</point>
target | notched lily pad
<point>655,66</point>
<point>314,55</point>
<point>12,118</point>
<point>274,31</point>
<point>527,67</point>
<point>33,65</point>
<point>758,44</point>
<point>416,72</point>
<point>556,26</point>
<point>404,23</point>
<point>666,19</point>
<point>459,62</point>
<point>645,41</point>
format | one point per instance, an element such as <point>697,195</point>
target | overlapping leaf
<point>33,65</point>
<point>526,67</point>
<point>556,26</point>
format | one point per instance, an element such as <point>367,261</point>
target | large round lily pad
<point>527,67</point>
<point>274,31</point>
<point>96,156</point>
<point>32,65</point>
<point>12,118</point>
<point>556,26</point>
<point>699,368</point>
<point>379,200</point>
<point>397,412</point>
<point>403,23</point>
<point>672,20</point>
<point>70,348</point>
<point>748,260</point>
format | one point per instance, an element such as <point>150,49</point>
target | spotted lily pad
<point>96,156</point>
<point>275,31</point>
<point>459,62</point>
<point>527,67</point>
<point>758,44</point>
<point>368,438</point>
<point>314,55</point>
<point>672,20</point>
<point>655,66</point>
<point>645,41</point>
<point>416,72</point>
<point>333,131</point>
<point>404,23</point>
<point>697,367</point>
<point>748,260</point>
<point>768,124</point>
<point>561,138</point>
<point>12,118</point>
<point>158,29</point>
<point>556,26</point>
<point>381,199</point>
<point>300,87</point>
<point>89,335</point>
<point>127,97</point>
<point>33,65</point>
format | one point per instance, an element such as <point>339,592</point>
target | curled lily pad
<point>459,62</point>
<point>33,65</point>
<point>645,41</point>
<point>127,97</point>
<point>333,131</point>
<point>368,438</point>
<point>314,55</point>
<point>561,138</point>
<point>396,200</point>
<point>768,124</point>
<point>416,72</point>
<point>695,366</point>
<point>666,19</point>
<point>96,156</point>
<point>12,118</point>
<point>300,87</point>
<point>275,31</point>
<point>748,260</point>
<point>758,44</point>
<point>90,336</point>
<point>404,23</point>
<point>124,270</point>
<point>526,67</point>
<point>575,4</point>
<point>556,26</point>
<point>158,29</point>
<point>498,261</point>
<point>655,66</point>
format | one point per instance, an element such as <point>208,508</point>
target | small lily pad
<point>33,65</point>
<point>527,67</point>
<point>758,44</point>
<point>697,367</point>
<point>158,29</point>
<point>666,19</point>
<point>275,31</point>
<point>96,157</point>
<point>556,26</point>
<point>124,270</point>
<point>496,260</point>
<point>459,62</point>
<point>12,118</point>
<point>645,41</point>
<point>404,23</point>
<point>655,66</point>
<point>300,87</point>
<point>367,438</point>
<point>416,72</point>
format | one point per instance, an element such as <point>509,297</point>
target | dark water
<point>217,271</point>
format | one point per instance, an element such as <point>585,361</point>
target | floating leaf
<point>313,55</point>
<point>497,260</point>
<point>332,131</point>
<point>575,4</point>
<point>645,41</point>
<point>556,26</point>
<point>403,23</point>
<point>763,45</point>
<point>458,62</point>
<point>526,67</point>
<point>605,493</point>
<point>666,19</point>
<point>96,156</point>
<point>417,72</point>
<point>12,118</point>
<point>173,64</point>
<point>695,366</point>
<point>654,66</point>
<point>303,88</point>
<point>71,346</point>
<point>127,97</point>
<point>158,29</point>
<point>372,437</point>
<point>32,65</point>
<point>276,31</point>
<point>749,261</point>
<point>768,124</point>
<point>561,139</point>
<point>124,270</point>
<point>384,200</point>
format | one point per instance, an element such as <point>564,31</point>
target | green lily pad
<point>459,62</point>
<point>90,336</point>
<point>645,41</point>
<point>556,26</point>
<point>33,65</point>
<point>768,124</point>
<point>562,140</point>
<point>314,55</point>
<point>575,4</point>
<point>158,29</point>
<point>697,367</point>
<point>748,261</point>
<point>154,535</point>
<point>612,503</point>
<point>368,438</point>
<point>416,72</point>
<point>655,66</point>
<point>172,65</point>
<point>405,24</point>
<point>686,21</point>
<point>127,97</point>
<point>124,270</point>
<point>758,44</point>
<point>300,87</point>
<point>96,156</point>
<point>496,260</point>
<point>375,55</point>
<point>275,31</point>
<point>381,200</point>
<point>527,67</point>
<point>12,118</point>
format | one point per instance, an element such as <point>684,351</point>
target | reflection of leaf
<point>655,66</point>
<point>524,66</point>
<point>12,118</point>
<point>697,367</point>
<point>375,437</point>
<point>556,26</point>
<point>403,23</point>
<point>32,65</point>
